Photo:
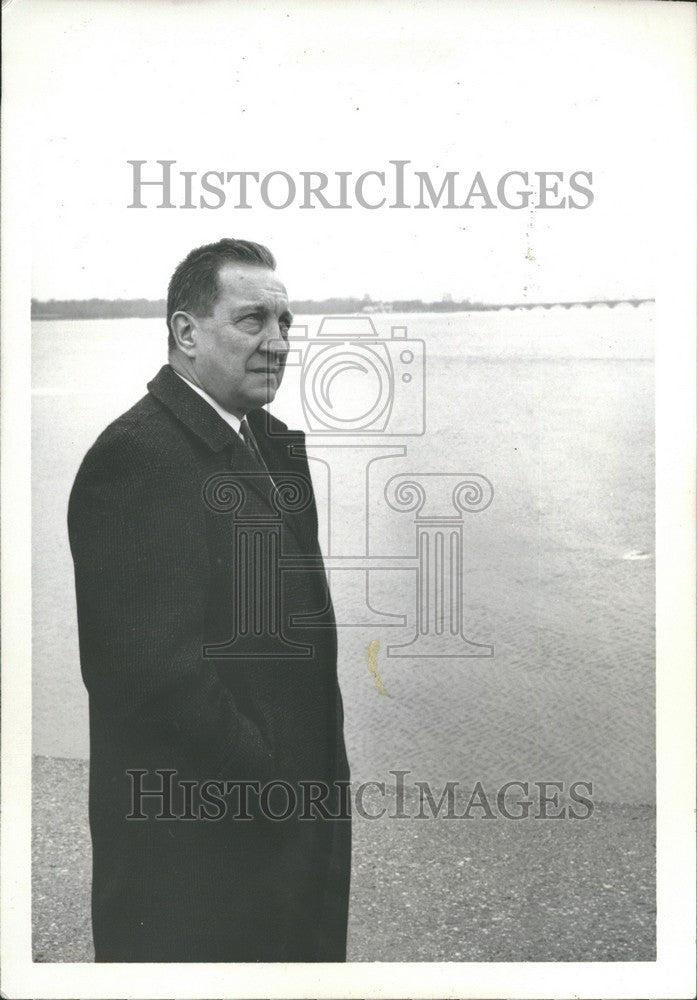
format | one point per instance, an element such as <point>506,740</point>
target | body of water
<point>555,408</point>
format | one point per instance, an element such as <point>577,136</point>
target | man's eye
<point>251,323</point>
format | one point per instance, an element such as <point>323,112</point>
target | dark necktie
<point>251,446</point>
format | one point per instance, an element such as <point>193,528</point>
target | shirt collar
<point>228,417</point>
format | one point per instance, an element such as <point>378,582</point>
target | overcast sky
<point>348,86</point>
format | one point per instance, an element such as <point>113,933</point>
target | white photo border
<point>672,974</point>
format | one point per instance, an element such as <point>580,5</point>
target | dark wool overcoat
<point>208,647</point>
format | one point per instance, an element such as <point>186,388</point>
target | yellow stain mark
<point>373,648</point>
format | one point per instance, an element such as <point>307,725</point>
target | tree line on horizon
<point>156,308</point>
<point>66,309</point>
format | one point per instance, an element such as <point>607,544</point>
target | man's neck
<point>233,419</point>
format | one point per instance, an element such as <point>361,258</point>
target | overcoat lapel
<point>282,450</point>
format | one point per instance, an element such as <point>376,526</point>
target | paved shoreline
<point>422,890</point>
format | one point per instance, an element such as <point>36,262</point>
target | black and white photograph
<point>348,498</point>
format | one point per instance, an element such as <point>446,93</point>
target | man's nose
<point>274,342</point>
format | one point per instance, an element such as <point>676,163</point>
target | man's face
<point>241,348</point>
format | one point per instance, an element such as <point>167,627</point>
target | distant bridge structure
<point>590,304</point>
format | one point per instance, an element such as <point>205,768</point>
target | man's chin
<point>262,397</point>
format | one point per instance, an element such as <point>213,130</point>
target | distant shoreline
<point>70,309</point>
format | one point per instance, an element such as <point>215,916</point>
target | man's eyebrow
<point>261,309</point>
<point>254,306</point>
<point>258,307</point>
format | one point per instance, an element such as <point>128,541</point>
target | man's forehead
<point>250,283</point>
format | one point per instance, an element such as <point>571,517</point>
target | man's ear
<point>184,331</point>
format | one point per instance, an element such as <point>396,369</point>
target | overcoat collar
<point>191,409</point>
<point>282,449</point>
<point>196,414</point>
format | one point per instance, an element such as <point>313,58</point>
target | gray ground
<point>422,890</point>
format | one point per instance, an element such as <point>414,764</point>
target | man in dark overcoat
<point>218,773</point>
